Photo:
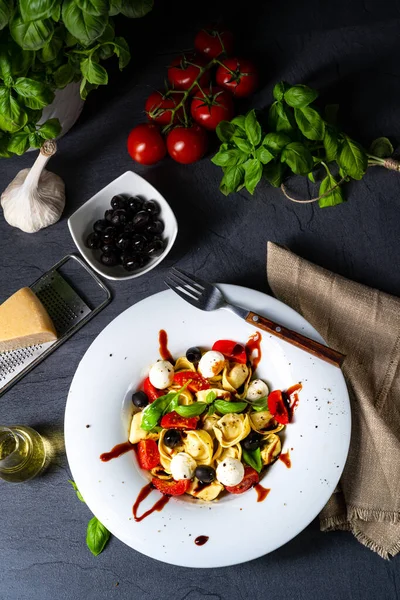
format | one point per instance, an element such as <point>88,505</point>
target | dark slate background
<point>348,49</point>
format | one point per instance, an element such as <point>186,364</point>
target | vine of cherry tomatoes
<point>203,85</point>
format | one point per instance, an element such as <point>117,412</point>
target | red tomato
<point>187,144</point>
<point>174,421</point>
<point>277,407</point>
<point>212,42</point>
<point>145,144</point>
<point>250,478</point>
<point>171,488</point>
<point>239,77</point>
<point>196,384</point>
<point>209,109</point>
<point>158,108</point>
<point>231,350</point>
<point>148,454</point>
<point>151,392</point>
<point>182,75</point>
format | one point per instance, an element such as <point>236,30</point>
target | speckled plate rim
<point>97,417</point>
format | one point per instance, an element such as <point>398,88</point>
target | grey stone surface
<point>349,50</point>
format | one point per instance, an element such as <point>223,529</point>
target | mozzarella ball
<point>182,466</point>
<point>211,363</point>
<point>161,374</point>
<point>230,471</point>
<point>257,389</point>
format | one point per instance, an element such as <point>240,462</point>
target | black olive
<point>120,217</point>
<point>100,225</point>
<point>93,241</point>
<point>108,234</point>
<point>155,227</point>
<point>141,220</point>
<point>172,438</point>
<point>193,354</point>
<point>204,473</point>
<point>110,260</point>
<point>118,201</point>
<point>135,204</point>
<point>108,248</point>
<point>253,441</point>
<point>138,242</point>
<point>123,241</point>
<point>131,262</point>
<point>108,215</point>
<point>139,399</point>
<point>152,207</point>
<point>129,227</point>
<point>155,247</point>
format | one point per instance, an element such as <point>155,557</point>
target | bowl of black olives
<point>124,230</point>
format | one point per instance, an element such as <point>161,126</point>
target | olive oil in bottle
<point>22,453</point>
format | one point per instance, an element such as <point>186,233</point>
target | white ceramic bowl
<point>81,222</point>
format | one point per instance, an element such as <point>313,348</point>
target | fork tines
<point>185,285</point>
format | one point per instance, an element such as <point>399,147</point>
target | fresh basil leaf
<point>97,536</point>
<point>80,497</point>
<point>105,51</point>
<point>93,7</point>
<point>285,121</point>
<point>276,141</point>
<point>298,157</point>
<point>136,9</point>
<point>335,197</point>
<point>172,405</point>
<point>225,407</point>
<point>381,147</point>
<point>31,10</point>
<point>242,144</point>
<point>84,27</point>
<point>191,410</point>
<point>115,7</point>
<point>225,130</point>
<point>5,66</point>
<point>121,49</point>
<point>310,123</point>
<point>229,158</point>
<point>12,115</point>
<point>311,177</point>
<point>253,173</point>
<point>152,413</point>
<point>70,40</point>
<point>300,96</point>
<point>21,60</point>
<point>33,35</point>
<point>331,144</point>
<point>279,90</point>
<point>30,88</point>
<point>94,73</point>
<point>211,396</point>
<point>330,113</point>
<point>50,51</point>
<point>6,11</point>
<point>240,122</point>
<point>35,140</point>
<point>50,129</point>
<point>211,410</point>
<point>274,173</point>
<point>86,88</point>
<point>253,128</point>
<point>352,158</point>
<point>19,143</point>
<point>56,12</point>
<point>253,458</point>
<point>4,139</point>
<point>259,404</point>
<point>232,180</point>
<point>273,116</point>
<point>264,155</point>
<point>63,75</point>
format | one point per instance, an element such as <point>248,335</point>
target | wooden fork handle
<point>296,339</point>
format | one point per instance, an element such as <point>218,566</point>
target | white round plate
<point>239,528</point>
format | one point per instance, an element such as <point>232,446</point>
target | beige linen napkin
<point>364,324</point>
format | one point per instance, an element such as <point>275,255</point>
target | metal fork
<point>206,296</point>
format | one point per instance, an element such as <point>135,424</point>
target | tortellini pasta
<point>208,492</point>
<point>200,446</point>
<point>231,429</point>
<point>271,448</point>
<point>136,433</point>
<point>232,452</point>
<point>263,422</point>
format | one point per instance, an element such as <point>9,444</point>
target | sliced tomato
<point>196,384</point>
<point>278,407</point>
<point>151,392</point>
<point>250,478</point>
<point>171,488</point>
<point>148,454</point>
<point>174,421</point>
<point>231,350</point>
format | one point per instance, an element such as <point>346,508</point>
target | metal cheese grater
<point>68,312</point>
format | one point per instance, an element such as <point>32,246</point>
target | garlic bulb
<point>36,197</point>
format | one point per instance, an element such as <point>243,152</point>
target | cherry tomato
<point>174,421</point>
<point>208,42</point>
<point>151,392</point>
<point>171,488</point>
<point>145,144</point>
<point>197,382</point>
<point>182,75</point>
<point>148,454</point>
<point>158,108</point>
<point>187,144</point>
<point>231,350</point>
<point>250,478</point>
<point>209,109</point>
<point>239,77</point>
<point>278,408</point>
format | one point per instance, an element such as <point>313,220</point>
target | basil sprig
<point>224,407</point>
<point>97,536</point>
<point>253,458</point>
<point>162,405</point>
<point>260,404</point>
<point>191,410</point>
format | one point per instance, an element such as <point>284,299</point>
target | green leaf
<point>229,158</point>
<point>6,11</point>
<point>253,128</point>
<point>264,155</point>
<point>94,7</point>
<point>4,139</point>
<point>33,35</point>
<point>115,7</point>
<point>279,90</point>
<point>50,51</point>
<point>330,113</point>
<point>38,91</point>
<point>108,34</point>
<point>242,144</point>
<point>84,27</point>
<point>21,60</point>
<point>285,120</point>
<point>276,141</point>
<point>121,49</point>
<point>273,116</point>
<point>211,396</point>
<point>225,407</point>
<point>253,173</point>
<point>311,177</point>
<point>63,75</point>
<point>35,140</point>
<point>19,143</point>
<point>274,173</point>
<point>97,536</point>
<point>5,66</point>
<point>225,130</point>
<point>152,413</point>
<point>86,87</point>
<point>191,410</point>
<point>31,10</point>
<point>80,497</point>
<point>353,158</point>
<point>298,157</point>
<point>331,144</point>
<point>310,123</point>
<point>253,458</point>
<point>56,12</point>
<point>239,121</point>
<point>50,129</point>
<point>12,115</point>
<point>335,197</point>
<point>94,73</point>
<point>136,9</point>
<point>300,96</point>
<point>211,410</point>
<point>70,40</point>
<point>232,179</point>
<point>381,147</point>
<point>260,404</point>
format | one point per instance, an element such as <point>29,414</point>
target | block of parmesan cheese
<point>24,322</point>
